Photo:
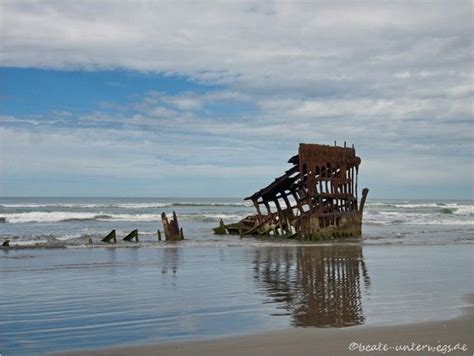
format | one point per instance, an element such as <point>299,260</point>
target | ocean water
<point>72,221</point>
<point>414,263</point>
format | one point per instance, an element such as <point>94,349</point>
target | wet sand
<point>325,341</point>
<point>280,298</point>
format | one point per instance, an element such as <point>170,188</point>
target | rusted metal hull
<point>315,199</point>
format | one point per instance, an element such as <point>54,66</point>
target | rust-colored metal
<point>171,228</point>
<point>315,199</point>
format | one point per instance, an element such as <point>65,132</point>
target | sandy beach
<point>251,299</point>
<point>456,334</point>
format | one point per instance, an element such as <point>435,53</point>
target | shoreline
<point>212,243</point>
<point>456,333</point>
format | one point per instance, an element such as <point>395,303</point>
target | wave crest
<point>126,205</point>
<point>60,216</point>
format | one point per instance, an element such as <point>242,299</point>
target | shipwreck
<point>317,198</point>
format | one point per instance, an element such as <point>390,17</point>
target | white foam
<point>29,242</point>
<point>124,205</point>
<point>464,210</point>
<point>58,216</point>
<point>414,218</point>
<point>461,209</point>
<point>217,217</point>
<point>55,216</point>
<point>85,206</point>
<point>68,237</point>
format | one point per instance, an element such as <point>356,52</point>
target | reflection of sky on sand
<point>71,298</point>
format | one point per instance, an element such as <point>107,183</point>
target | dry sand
<point>317,341</point>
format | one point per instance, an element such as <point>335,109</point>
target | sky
<point>211,98</point>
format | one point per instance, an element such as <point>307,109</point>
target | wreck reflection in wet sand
<point>315,286</point>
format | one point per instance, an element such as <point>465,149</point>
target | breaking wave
<point>127,205</point>
<point>407,218</point>
<point>444,208</point>
<point>61,216</point>
<point>376,212</point>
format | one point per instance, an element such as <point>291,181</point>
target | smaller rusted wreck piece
<point>171,228</point>
<point>315,199</point>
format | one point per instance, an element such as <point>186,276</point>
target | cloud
<point>395,78</point>
<point>252,44</point>
<point>115,153</point>
<point>338,49</point>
